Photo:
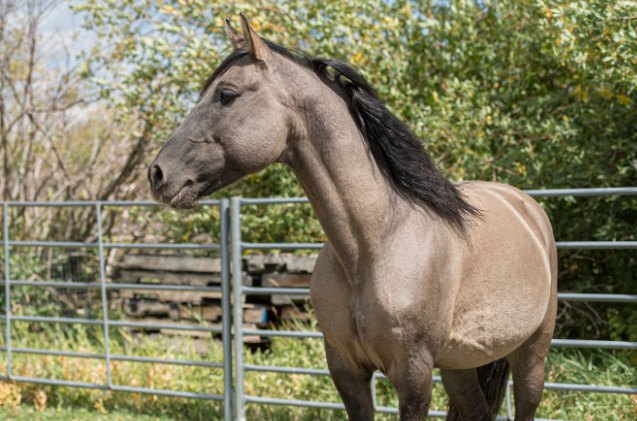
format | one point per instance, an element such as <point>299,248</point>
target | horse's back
<point>493,195</point>
<point>507,276</point>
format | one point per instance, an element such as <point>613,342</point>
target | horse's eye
<point>226,96</point>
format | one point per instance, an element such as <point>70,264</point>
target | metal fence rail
<point>231,248</point>
<point>105,322</point>
<point>239,246</point>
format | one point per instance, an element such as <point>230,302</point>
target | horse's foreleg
<point>412,378</point>
<point>465,393</point>
<point>353,384</point>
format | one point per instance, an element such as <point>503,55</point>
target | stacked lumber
<point>283,271</point>
<point>176,307</point>
<point>192,307</point>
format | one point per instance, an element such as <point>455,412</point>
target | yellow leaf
<point>580,93</point>
<point>605,93</point>
<point>39,400</point>
<point>99,406</point>
<point>623,99</point>
<point>10,395</point>
<point>358,58</point>
<point>406,10</point>
<point>168,10</point>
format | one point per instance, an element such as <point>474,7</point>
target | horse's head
<point>240,125</point>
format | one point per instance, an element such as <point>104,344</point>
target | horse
<point>417,272</point>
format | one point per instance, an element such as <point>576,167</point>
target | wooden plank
<point>282,299</point>
<point>210,312</point>
<point>300,263</point>
<point>286,280</point>
<point>199,334</point>
<point>184,263</point>
<point>280,262</point>
<point>183,297</point>
<point>193,297</point>
<point>289,280</point>
<point>292,312</point>
<point>172,263</point>
<point>143,308</point>
<point>162,277</point>
<point>261,262</point>
<point>254,313</point>
<point>163,321</point>
<point>169,331</point>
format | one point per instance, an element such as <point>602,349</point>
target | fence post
<point>237,314</point>
<point>7,284</point>
<point>226,310</point>
<point>100,247</point>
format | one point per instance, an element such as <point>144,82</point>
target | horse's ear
<point>253,43</point>
<point>234,35</point>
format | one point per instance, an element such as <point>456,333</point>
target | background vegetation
<point>537,94</point>
<point>534,93</point>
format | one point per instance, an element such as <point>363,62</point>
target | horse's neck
<point>354,203</point>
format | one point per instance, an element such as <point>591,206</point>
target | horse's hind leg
<point>465,393</point>
<point>353,384</point>
<point>527,370</point>
<point>527,361</point>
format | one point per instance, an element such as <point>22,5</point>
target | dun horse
<point>417,272</point>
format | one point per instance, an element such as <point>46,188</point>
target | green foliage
<point>534,93</point>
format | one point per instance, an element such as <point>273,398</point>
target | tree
<point>57,141</point>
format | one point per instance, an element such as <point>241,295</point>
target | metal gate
<point>231,249</point>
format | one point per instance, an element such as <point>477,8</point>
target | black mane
<point>399,154</point>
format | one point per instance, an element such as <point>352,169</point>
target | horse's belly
<point>505,290</point>
<point>493,318</point>
<point>470,345</point>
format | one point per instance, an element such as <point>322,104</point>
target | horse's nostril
<point>156,175</point>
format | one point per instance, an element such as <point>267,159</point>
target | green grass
<point>20,400</point>
<point>29,413</point>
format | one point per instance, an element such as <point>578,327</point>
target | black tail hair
<point>493,381</point>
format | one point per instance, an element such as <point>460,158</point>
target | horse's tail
<point>493,381</point>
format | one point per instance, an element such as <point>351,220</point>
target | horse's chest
<point>373,317</point>
<point>357,324</point>
<point>352,330</point>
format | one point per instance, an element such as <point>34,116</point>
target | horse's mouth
<point>188,196</point>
